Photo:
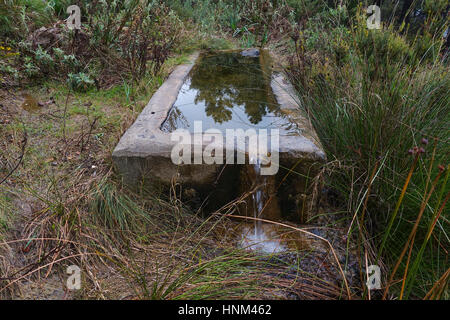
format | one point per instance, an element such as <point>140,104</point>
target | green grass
<point>187,266</point>
<point>114,210</point>
<point>17,16</point>
<point>369,109</point>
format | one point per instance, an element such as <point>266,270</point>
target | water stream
<point>261,237</point>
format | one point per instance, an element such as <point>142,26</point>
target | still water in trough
<point>228,91</point>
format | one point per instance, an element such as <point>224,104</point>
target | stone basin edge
<point>144,137</point>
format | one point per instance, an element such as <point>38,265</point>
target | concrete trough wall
<point>143,154</point>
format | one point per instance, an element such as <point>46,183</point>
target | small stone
<point>250,53</point>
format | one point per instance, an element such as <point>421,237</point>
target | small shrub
<point>30,69</point>
<point>44,60</point>
<point>80,82</point>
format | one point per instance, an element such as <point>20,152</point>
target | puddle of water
<point>269,238</point>
<point>262,203</point>
<point>261,239</point>
<point>228,91</point>
<point>30,104</point>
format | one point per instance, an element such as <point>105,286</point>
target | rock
<point>253,53</point>
<point>45,37</point>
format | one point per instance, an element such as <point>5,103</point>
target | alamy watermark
<point>74,20</point>
<point>374,20</point>
<point>373,277</point>
<point>74,280</point>
<point>191,149</point>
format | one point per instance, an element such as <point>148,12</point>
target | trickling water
<point>262,238</point>
<point>258,199</point>
<point>226,90</point>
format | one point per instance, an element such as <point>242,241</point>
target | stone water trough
<point>224,90</point>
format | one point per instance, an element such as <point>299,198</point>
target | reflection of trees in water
<point>175,119</point>
<point>227,80</point>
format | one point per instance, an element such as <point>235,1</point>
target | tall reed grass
<point>382,111</point>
